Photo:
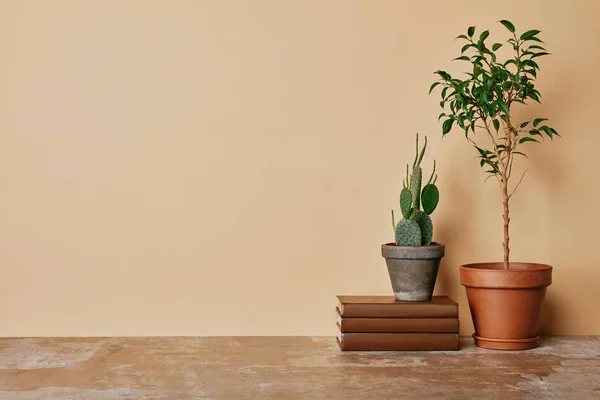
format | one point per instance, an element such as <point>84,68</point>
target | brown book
<point>397,341</point>
<point>389,307</point>
<point>398,325</point>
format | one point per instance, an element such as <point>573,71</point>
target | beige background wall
<point>228,167</point>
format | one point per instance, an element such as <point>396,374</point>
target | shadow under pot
<point>413,270</point>
<point>506,304</point>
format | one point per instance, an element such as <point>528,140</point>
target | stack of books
<point>382,323</point>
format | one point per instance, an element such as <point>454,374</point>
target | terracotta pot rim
<point>523,266</point>
<point>492,275</point>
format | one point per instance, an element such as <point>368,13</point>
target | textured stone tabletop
<point>290,368</point>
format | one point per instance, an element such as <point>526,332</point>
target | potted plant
<point>506,297</point>
<point>413,259</point>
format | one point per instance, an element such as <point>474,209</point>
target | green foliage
<point>408,233</point>
<point>508,25</point>
<point>405,231</point>
<point>484,98</point>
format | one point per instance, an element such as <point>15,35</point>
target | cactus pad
<point>430,197</point>
<point>425,226</point>
<point>415,186</point>
<point>405,202</point>
<point>408,233</point>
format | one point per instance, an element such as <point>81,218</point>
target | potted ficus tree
<point>413,259</point>
<point>505,297</point>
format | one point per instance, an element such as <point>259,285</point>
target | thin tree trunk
<point>505,199</point>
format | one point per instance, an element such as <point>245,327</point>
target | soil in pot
<point>413,270</point>
<point>506,303</point>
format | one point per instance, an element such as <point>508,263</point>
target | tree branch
<point>520,180</point>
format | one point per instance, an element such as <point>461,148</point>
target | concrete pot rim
<point>433,251</point>
<point>493,275</point>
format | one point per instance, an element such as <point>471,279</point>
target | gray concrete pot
<point>413,269</point>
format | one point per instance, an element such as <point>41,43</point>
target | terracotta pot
<point>506,303</point>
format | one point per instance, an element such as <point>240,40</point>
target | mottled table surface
<point>290,368</point>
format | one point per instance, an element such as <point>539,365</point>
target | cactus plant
<point>416,227</point>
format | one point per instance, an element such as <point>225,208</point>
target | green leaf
<point>528,139</point>
<point>496,46</point>
<point>535,132</point>
<point>484,35</point>
<point>464,58</point>
<point>535,46</point>
<point>441,115</point>
<point>444,91</point>
<point>465,47</point>
<point>531,63</point>
<point>503,106</point>
<point>446,76</point>
<point>447,126</point>
<point>477,60</point>
<point>524,124</point>
<point>484,97</point>
<point>496,124</point>
<point>481,151</point>
<point>535,97</point>
<point>548,131</point>
<point>508,25</point>
<point>535,39</point>
<point>433,86</point>
<point>529,34</point>
<point>537,121</point>
<point>471,31</point>
<point>543,53</point>
<point>519,153</point>
<point>461,37</point>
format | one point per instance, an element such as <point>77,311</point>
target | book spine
<point>398,325</point>
<point>398,341</point>
<point>399,311</point>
